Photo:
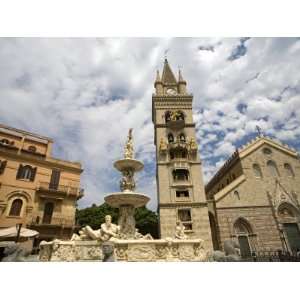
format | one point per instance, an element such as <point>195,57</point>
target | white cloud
<point>87,93</point>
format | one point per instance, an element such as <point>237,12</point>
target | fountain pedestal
<point>127,200</point>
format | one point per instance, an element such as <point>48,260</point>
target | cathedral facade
<point>254,198</point>
<point>181,194</point>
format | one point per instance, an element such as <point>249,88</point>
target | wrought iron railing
<point>56,221</point>
<point>273,256</point>
<point>64,189</point>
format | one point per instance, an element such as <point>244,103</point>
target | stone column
<point>126,221</point>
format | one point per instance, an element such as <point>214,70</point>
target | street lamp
<point>18,227</point>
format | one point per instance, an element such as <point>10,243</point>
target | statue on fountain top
<point>128,153</point>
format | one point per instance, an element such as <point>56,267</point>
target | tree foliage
<point>146,220</point>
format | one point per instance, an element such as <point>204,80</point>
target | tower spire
<point>168,77</point>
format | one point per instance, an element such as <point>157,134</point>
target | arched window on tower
<point>257,171</point>
<point>167,116</point>
<point>179,115</point>
<point>170,138</point>
<point>181,138</point>
<point>289,170</point>
<point>272,168</point>
<point>16,207</point>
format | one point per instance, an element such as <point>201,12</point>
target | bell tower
<point>180,187</point>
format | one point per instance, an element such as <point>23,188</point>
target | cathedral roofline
<point>245,150</point>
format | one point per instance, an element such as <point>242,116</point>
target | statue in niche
<point>193,144</point>
<point>179,231</point>
<point>128,152</point>
<point>162,145</point>
<point>176,115</point>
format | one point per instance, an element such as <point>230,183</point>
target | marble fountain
<point>126,242</point>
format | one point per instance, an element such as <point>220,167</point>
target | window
<point>257,171</point>
<point>2,166</point>
<point>26,172</point>
<point>178,153</point>
<point>267,151</point>
<point>170,138</point>
<point>272,168</point>
<point>167,116</point>
<point>227,181</point>
<point>16,206</point>
<point>236,195</point>
<point>184,215</point>
<point>181,138</point>
<point>5,142</point>
<point>289,170</point>
<point>180,174</point>
<point>179,115</point>
<point>180,194</point>
<point>32,148</point>
<point>48,211</point>
<point>243,231</point>
<point>54,181</point>
<point>233,176</point>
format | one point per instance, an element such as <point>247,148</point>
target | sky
<point>85,93</point>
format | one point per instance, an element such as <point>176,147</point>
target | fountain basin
<point>126,198</point>
<point>127,163</point>
<point>126,250</point>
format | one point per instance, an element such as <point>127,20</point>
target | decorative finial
<point>157,77</point>
<point>180,78</point>
<point>128,152</point>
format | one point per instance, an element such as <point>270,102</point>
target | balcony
<point>176,124</point>
<point>60,189</point>
<point>38,221</point>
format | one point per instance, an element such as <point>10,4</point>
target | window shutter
<point>20,172</point>
<point>54,181</point>
<point>2,166</point>
<point>33,172</point>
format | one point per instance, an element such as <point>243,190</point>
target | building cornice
<point>46,161</point>
<point>182,204</point>
<point>243,206</point>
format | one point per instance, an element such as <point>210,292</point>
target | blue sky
<point>86,94</point>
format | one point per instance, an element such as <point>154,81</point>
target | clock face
<point>171,92</point>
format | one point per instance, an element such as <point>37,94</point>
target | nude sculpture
<point>179,231</point>
<point>108,231</point>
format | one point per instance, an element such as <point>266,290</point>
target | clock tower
<point>180,187</point>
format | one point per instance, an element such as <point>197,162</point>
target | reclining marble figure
<point>108,231</point>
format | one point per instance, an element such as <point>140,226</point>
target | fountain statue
<point>123,242</point>
<point>127,200</point>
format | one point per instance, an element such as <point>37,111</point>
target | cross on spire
<point>166,53</point>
